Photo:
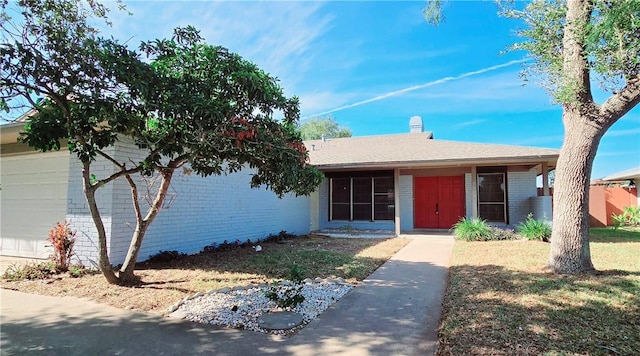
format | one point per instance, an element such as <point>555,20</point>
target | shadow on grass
<point>493,310</point>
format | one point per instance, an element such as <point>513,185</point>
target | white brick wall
<point>406,202</point>
<point>541,207</point>
<point>204,211</point>
<point>521,186</point>
<point>468,190</point>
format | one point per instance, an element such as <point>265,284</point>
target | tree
<point>575,45</point>
<point>315,128</point>
<point>190,104</point>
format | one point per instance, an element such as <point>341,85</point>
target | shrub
<point>500,234</point>
<point>632,213</point>
<point>41,270</point>
<point>619,220</point>
<point>62,239</point>
<point>533,229</point>
<point>472,230</point>
<point>287,294</point>
<point>166,256</point>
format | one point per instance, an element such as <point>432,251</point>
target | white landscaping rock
<point>242,308</point>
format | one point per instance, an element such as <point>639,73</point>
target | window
<point>491,197</point>
<point>363,198</point>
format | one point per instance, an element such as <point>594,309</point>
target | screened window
<point>492,197</point>
<point>363,198</point>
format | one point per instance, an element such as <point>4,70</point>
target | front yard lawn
<point>163,284</point>
<point>499,301</point>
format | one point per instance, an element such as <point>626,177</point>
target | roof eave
<point>441,163</point>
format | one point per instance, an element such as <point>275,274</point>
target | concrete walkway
<point>394,312</point>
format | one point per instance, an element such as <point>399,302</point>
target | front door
<point>438,201</point>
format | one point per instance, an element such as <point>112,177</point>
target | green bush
<point>533,229</point>
<point>499,234</point>
<point>40,270</point>
<point>288,294</point>
<point>472,230</point>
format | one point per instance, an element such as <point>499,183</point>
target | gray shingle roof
<point>416,149</point>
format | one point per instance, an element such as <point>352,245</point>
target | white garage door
<point>33,197</point>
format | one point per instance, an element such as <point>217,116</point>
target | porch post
<point>474,192</point>
<point>545,179</point>
<point>396,199</point>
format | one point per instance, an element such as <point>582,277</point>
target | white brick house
<point>202,211</point>
<point>436,182</point>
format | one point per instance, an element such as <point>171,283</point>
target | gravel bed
<point>241,308</point>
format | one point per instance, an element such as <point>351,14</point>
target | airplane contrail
<point>420,86</point>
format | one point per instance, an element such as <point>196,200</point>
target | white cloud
<point>468,123</point>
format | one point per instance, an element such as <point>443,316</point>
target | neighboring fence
<point>605,201</point>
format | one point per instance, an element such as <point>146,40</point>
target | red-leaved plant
<point>63,240</point>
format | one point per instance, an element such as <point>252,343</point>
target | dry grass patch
<point>500,302</point>
<point>162,284</point>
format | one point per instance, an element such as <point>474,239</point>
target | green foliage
<point>630,216</point>
<point>499,234</point>
<point>62,239</point>
<point>296,274</point>
<point>77,271</point>
<point>187,102</point>
<point>478,230</point>
<point>288,293</point>
<point>533,229</point>
<point>315,128</point>
<point>40,270</point>
<point>610,36</point>
<point>472,230</point>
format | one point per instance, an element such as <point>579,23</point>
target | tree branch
<point>623,101</point>
<point>123,170</point>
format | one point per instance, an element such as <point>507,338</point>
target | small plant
<point>619,220</point>
<point>77,270</point>
<point>40,270</point>
<point>633,215</point>
<point>166,256</point>
<point>533,229</point>
<point>500,234</point>
<point>62,239</point>
<point>472,230</point>
<point>288,293</point>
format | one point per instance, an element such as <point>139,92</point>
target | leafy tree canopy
<point>186,102</point>
<point>315,128</point>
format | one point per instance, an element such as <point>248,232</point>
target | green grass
<point>499,301</point>
<point>608,234</point>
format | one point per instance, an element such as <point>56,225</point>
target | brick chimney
<point>415,124</point>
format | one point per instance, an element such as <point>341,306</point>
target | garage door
<point>33,196</point>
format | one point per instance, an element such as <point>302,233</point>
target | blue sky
<point>337,54</point>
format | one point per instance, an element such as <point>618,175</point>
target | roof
<point>633,173</point>
<point>417,149</point>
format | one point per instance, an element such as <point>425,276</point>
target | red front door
<point>438,201</point>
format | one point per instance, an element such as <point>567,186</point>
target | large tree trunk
<point>570,251</point>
